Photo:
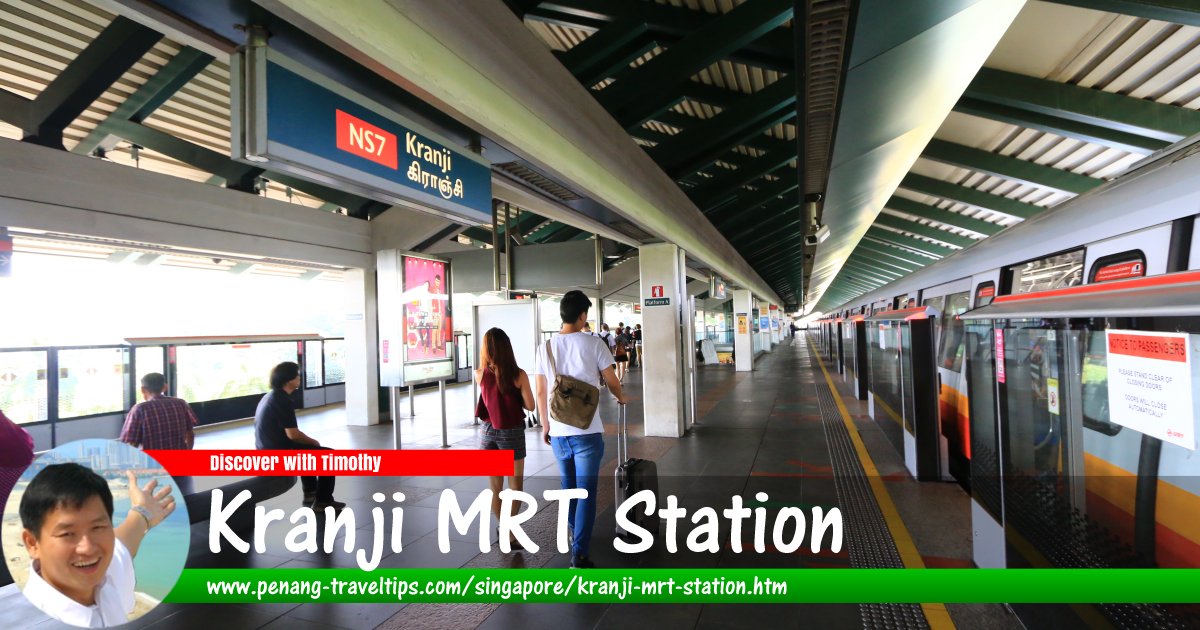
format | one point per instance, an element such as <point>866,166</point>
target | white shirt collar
<point>114,597</point>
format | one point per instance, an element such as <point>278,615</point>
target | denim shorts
<point>503,439</point>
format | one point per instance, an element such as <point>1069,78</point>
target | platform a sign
<point>1150,384</point>
<point>295,120</point>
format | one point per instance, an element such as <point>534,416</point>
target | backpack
<point>572,401</point>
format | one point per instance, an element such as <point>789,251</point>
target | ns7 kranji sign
<point>1150,384</point>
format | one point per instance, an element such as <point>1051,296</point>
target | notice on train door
<point>1150,384</point>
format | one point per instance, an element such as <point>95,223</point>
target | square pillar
<point>665,379</point>
<point>764,332</point>
<point>743,344</point>
<point>362,343</point>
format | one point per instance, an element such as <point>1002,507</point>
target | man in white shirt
<point>578,451</point>
<point>82,571</point>
<point>608,337</point>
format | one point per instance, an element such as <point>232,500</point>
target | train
<point>1051,371</point>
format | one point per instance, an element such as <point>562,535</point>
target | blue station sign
<point>301,122</point>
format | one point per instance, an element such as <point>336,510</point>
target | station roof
<point>917,150</point>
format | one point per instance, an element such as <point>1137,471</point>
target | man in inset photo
<point>82,571</point>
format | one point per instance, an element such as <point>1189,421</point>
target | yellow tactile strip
<point>935,614</point>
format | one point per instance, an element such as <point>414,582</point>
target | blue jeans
<point>579,466</point>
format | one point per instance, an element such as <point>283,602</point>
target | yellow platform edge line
<point>935,614</point>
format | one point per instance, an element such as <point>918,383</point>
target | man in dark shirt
<point>275,427</point>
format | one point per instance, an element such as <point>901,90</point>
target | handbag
<point>572,401</point>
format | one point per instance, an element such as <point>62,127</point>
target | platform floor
<point>777,430</point>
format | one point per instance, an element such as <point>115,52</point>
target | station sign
<point>1150,384</point>
<point>289,118</point>
<point>660,301</point>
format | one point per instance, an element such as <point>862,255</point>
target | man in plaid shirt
<point>161,422</point>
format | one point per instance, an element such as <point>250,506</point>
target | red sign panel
<point>1119,271</point>
<point>365,140</point>
<point>1149,347</point>
<point>985,292</point>
<point>656,291</point>
<point>1000,356</point>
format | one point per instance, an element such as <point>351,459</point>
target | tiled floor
<point>757,432</point>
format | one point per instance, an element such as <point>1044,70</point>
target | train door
<point>951,299</point>
<point>979,378</point>
<point>1097,397</point>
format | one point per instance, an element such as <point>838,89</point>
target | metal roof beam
<point>913,244</point>
<point>864,255</point>
<point>114,51</point>
<point>729,183</point>
<point>169,79</point>
<point>1095,134</point>
<point>657,84</point>
<point>668,25</point>
<point>870,271</point>
<point>883,252</point>
<point>705,143</point>
<point>608,50</point>
<point>760,234</point>
<point>970,196</point>
<point>945,217</point>
<point>927,231</point>
<point>1176,11</point>
<point>747,204</point>
<point>1011,168</point>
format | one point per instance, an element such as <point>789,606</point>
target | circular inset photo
<point>95,533</point>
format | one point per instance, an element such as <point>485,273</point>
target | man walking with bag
<point>567,374</point>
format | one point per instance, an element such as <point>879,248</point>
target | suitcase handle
<point>622,435</point>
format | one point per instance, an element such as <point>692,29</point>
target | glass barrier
<point>462,344</point>
<point>92,381</point>
<point>147,359</point>
<point>214,372</point>
<point>314,364</point>
<point>335,361</point>
<point>24,396</point>
<point>886,387</point>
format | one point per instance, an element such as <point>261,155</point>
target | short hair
<point>154,382</point>
<point>283,374</point>
<point>604,326</point>
<point>61,485</point>
<point>573,304</point>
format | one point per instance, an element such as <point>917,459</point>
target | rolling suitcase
<point>632,476</point>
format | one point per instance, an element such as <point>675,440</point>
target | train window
<point>1052,272</point>
<point>1095,384</point>
<point>950,346</point>
<point>985,293</point>
<point>1130,264</point>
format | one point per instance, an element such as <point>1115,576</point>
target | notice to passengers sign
<point>1150,384</point>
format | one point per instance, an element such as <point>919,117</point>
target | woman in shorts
<point>504,395</point>
<point>621,352</point>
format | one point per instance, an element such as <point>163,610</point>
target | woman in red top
<point>504,395</point>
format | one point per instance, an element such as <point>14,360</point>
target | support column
<point>664,376</point>
<point>764,334</point>
<point>743,344</point>
<point>362,343</point>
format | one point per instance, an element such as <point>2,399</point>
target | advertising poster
<point>743,324</point>
<point>427,327</point>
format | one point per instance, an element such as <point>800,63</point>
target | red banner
<point>1120,271</point>
<point>243,463</point>
<point>1149,347</point>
